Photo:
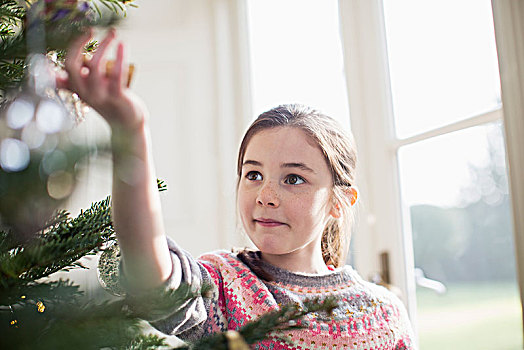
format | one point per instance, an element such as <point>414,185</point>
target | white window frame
<point>384,225</point>
<point>508,16</point>
<point>380,226</point>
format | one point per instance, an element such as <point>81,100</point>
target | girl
<point>295,188</point>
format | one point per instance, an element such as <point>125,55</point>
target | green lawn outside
<point>470,316</point>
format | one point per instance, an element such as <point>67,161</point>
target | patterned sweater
<point>368,317</point>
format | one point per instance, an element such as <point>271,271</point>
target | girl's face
<point>284,194</point>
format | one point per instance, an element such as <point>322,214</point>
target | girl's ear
<point>335,210</point>
<point>352,196</point>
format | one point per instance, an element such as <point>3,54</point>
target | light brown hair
<point>340,154</point>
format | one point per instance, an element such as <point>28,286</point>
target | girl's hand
<point>104,91</point>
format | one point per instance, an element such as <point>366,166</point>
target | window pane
<point>456,191</point>
<point>443,63</point>
<point>296,55</point>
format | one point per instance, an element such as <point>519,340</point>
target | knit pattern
<point>368,317</point>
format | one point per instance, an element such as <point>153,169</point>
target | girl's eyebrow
<point>297,165</point>
<point>301,166</point>
<point>252,162</point>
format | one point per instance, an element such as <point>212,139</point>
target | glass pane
<point>456,191</point>
<point>443,62</point>
<point>296,55</point>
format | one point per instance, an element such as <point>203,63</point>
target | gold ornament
<point>40,307</point>
<point>235,341</point>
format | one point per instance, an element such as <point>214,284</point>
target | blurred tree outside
<point>468,246</point>
<point>471,241</point>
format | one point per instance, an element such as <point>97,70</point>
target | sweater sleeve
<point>188,318</point>
<point>194,318</point>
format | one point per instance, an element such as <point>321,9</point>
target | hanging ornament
<point>108,270</point>
<point>38,160</point>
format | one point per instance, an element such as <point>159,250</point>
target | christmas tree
<point>37,174</point>
<point>38,169</point>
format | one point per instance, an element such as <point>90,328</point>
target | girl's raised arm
<point>137,215</point>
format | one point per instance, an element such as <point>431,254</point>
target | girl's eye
<point>254,176</point>
<point>294,180</point>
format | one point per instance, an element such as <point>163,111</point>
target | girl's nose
<point>267,196</point>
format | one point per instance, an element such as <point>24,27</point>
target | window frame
<point>368,86</point>
<point>384,224</point>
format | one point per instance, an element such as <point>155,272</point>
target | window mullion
<point>477,120</point>
<point>369,95</point>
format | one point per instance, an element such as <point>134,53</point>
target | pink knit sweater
<point>368,317</point>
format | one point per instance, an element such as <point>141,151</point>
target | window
<point>425,103</point>
<point>443,63</point>
<point>459,208</point>
<point>454,185</point>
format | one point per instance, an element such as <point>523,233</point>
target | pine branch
<point>68,324</point>
<point>115,6</point>
<point>162,186</point>
<point>11,12</point>
<point>12,74</point>
<point>74,323</point>
<point>59,246</point>
<point>146,342</point>
<point>13,48</point>
<point>52,292</point>
<point>6,31</point>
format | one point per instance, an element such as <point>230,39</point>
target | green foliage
<point>11,72</point>
<point>115,6</point>
<point>146,342</point>
<point>61,22</point>
<point>162,186</point>
<point>11,15</point>
<point>57,247</point>
<point>40,313</point>
<point>473,241</point>
<point>11,12</point>
<point>64,319</point>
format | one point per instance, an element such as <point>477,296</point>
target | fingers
<point>61,80</point>
<point>117,73</point>
<point>95,72</point>
<point>74,63</point>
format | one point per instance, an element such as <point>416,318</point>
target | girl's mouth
<point>268,222</point>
